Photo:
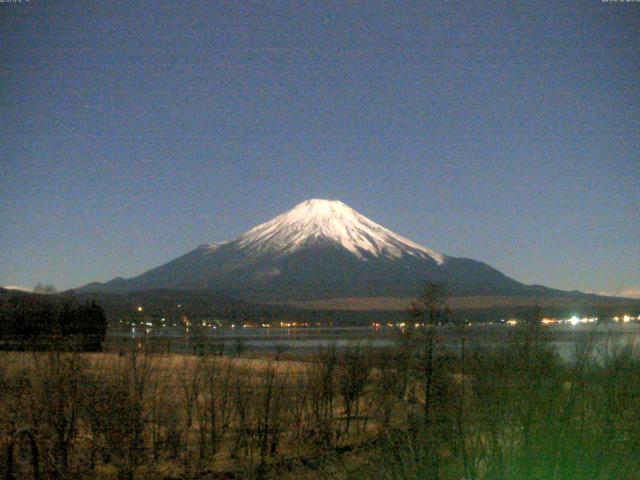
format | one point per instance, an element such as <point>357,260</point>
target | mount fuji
<point>320,249</point>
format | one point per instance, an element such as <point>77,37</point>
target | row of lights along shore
<point>574,320</point>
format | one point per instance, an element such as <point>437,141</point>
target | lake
<point>306,340</point>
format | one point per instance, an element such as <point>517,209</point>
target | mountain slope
<point>319,249</point>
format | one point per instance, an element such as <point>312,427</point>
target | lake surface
<point>565,338</point>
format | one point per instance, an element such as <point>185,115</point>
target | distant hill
<point>469,303</point>
<point>175,305</point>
<point>158,303</point>
<point>195,305</point>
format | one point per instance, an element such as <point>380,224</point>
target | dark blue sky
<point>508,132</point>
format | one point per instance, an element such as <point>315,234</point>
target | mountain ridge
<point>320,249</point>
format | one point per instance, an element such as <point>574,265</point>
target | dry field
<point>517,412</point>
<point>138,415</point>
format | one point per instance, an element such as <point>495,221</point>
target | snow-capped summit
<point>314,221</point>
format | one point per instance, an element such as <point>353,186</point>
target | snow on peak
<point>329,220</point>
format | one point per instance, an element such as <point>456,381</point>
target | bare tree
<point>119,416</point>
<point>44,289</point>
<point>58,379</point>
<point>321,381</point>
<point>189,381</point>
<point>352,375</point>
<point>429,310</point>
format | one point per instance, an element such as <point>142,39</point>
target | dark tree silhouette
<point>29,322</point>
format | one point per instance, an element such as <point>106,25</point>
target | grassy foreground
<point>513,412</point>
